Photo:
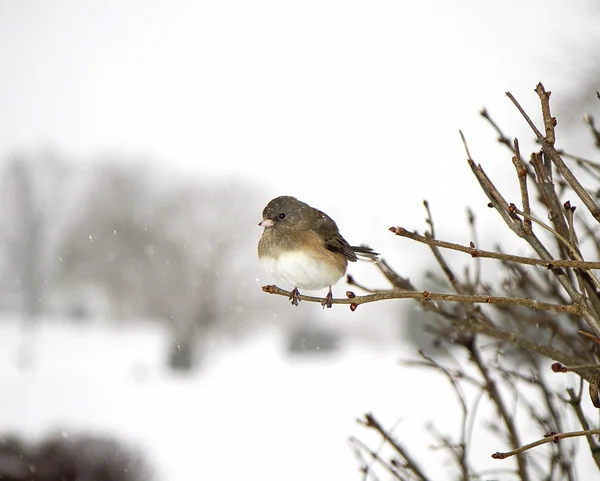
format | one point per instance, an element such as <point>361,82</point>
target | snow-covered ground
<point>250,412</point>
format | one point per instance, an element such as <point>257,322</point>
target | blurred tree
<point>162,252</point>
<point>29,223</point>
<point>36,195</point>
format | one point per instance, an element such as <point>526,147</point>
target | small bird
<point>303,248</point>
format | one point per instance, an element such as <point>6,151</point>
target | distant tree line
<point>113,239</point>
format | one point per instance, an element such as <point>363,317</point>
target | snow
<point>250,409</point>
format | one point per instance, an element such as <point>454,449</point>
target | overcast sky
<point>353,106</point>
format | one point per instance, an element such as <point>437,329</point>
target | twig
<point>546,188</point>
<point>590,167</point>
<point>515,224</point>
<point>457,450</point>
<point>474,252</point>
<point>496,397</point>
<point>460,451</point>
<point>411,464</point>
<point>397,281</point>
<point>431,364</point>
<point>595,388</point>
<point>376,457</point>
<point>549,121</point>
<point>353,282</point>
<point>454,280</point>
<point>522,176</point>
<point>571,247</point>
<point>589,120</point>
<point>481,323</point>
<point>365,467</point>
<point>563,460</point>
<point>574,252</point>
<point>554,438</point>
<point>436,296</point>
<point>471,219</point>
<point>503,139</point>
<point>578,367</point>
<point>537,133</point>
<point>550,151</point>
<point>575,401</point>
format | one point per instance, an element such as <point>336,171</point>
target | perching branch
<point>354,300</point>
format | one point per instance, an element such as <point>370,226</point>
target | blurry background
<point>139,142</point>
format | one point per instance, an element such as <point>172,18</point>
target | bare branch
<point>549,121</point>
<point>589,120</point>
<point>474,252</point>
<point>549,438</point>
<point>575,401</point>
<point>411,464</point>
<point>435,296</point>
<point>522,176</point>
<point>550,151</point>
<point>494,394</point>
<point>503,139</point>
<point>376,457</point>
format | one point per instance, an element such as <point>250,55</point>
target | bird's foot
<point>295,296</point>
<point>328,301</point>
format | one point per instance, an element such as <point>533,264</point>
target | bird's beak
<point>266,223</point>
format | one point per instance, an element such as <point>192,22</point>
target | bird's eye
<point>282,216</point>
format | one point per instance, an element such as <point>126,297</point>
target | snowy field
<point>250,408</point>
<point>250,412</point>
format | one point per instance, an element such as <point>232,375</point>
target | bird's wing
<point>327,229</point>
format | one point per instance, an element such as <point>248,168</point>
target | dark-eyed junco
<point>303,248</point>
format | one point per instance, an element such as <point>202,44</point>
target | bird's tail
<point>365,253</point>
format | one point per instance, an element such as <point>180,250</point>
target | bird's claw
<point>295,296</point>
<point>328,301</point>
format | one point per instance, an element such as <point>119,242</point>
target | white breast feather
<point>296,269</point>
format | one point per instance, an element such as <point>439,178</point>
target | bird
<point>302,247</point>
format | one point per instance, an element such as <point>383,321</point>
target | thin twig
<point>537,133</point>
<point>376,457</point>
<point>460,451</point>
<point>471,219</point>
<point>411,464</point>
<point>549,121</point>
<point>551,152</point>
<point>522,176</point>
<point>589,166</point>
<point>503,139</point>
<point>563,460</point>
<point>573,250</point>
<point>554,438</point>
<point>452,277</point>
<point>589,120</point>
<point>575,401</point>
<point>474,252</point>
<point>498,400</point>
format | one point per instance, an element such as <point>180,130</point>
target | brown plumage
<point>302,246</point>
